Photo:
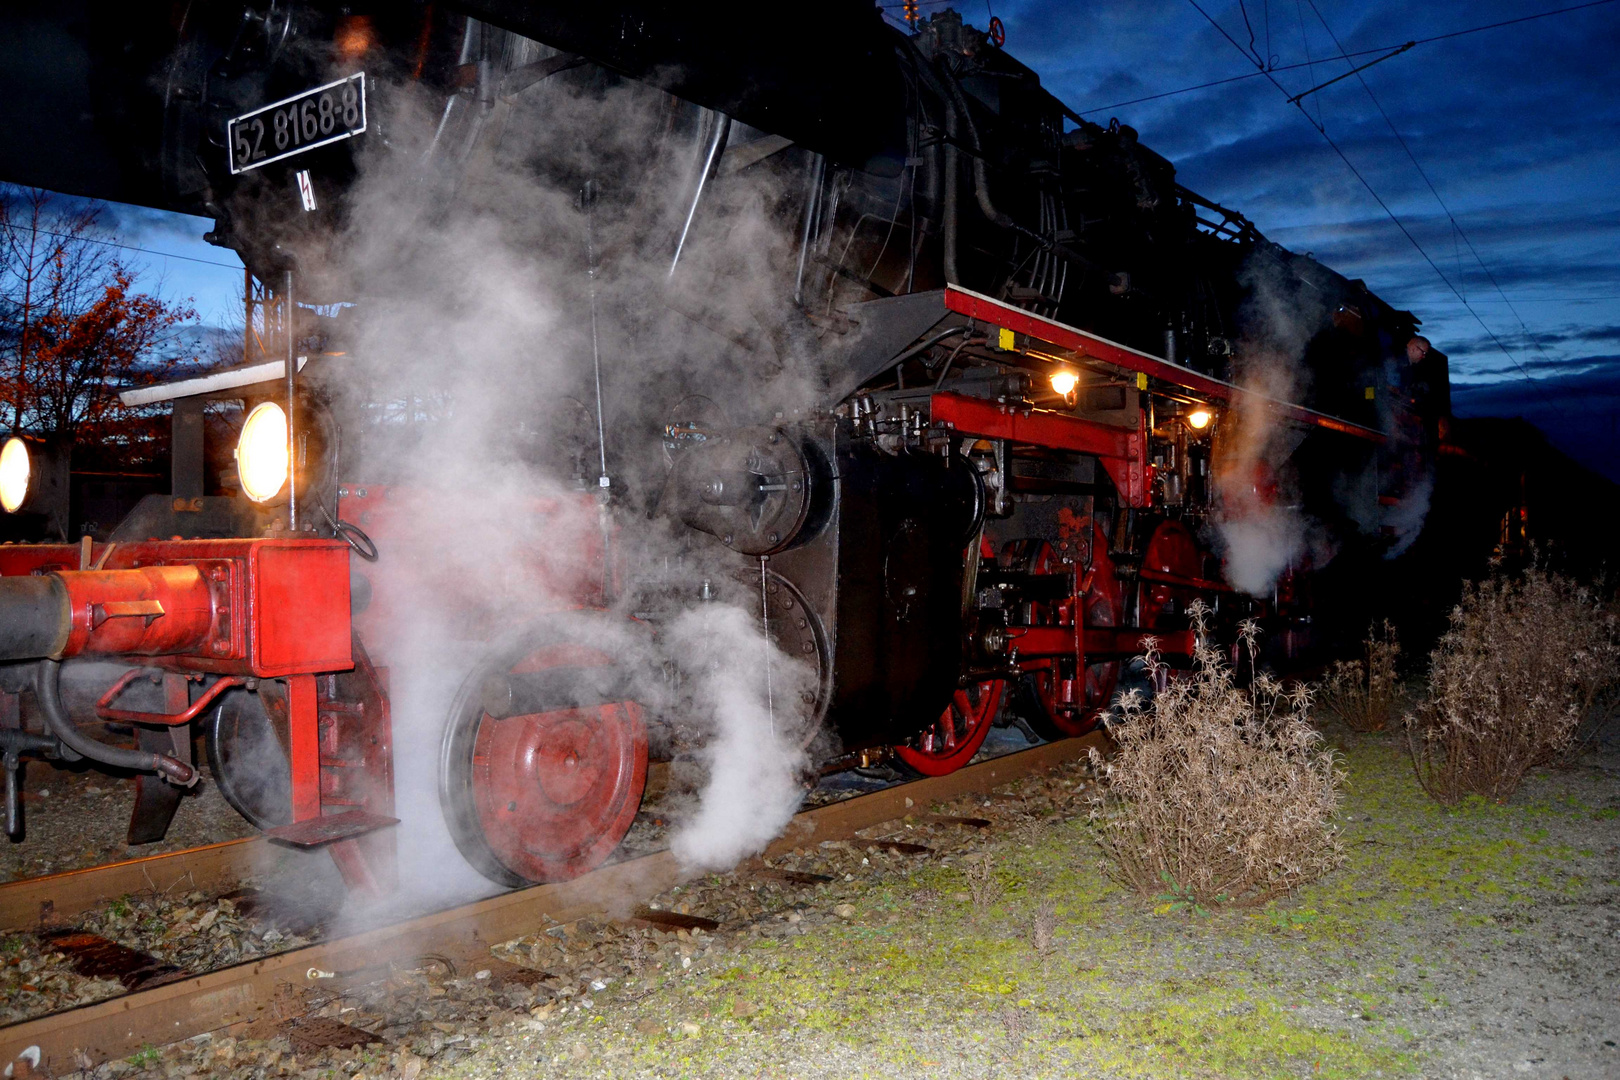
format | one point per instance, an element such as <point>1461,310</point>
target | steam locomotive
<point>959,397</point>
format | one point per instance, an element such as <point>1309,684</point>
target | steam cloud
<point>752,757</point>
<point>470,372</point>
<point>1258,533</point>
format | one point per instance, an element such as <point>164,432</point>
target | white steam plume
<point>470,373</point>
<point>753,754</point>
<point>1259,533</point>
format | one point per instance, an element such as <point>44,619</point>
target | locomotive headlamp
<point>14,474</point>
<point>261,452</point>
<point>1199,419</point>
<point>1064,380</point>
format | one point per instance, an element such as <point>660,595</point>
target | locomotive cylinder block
<point>753,490</point>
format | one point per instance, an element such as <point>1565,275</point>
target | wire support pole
<point>290,374</point>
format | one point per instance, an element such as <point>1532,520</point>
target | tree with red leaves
<point>75,331</point>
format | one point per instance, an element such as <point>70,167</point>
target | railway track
<point>256,997</point>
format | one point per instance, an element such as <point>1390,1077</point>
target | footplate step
<point>318,832</point>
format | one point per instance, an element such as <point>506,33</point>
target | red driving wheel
<point>548,793</point>
<point>1171,549</point>
<point>1071,702</point>
<point>952,740</point>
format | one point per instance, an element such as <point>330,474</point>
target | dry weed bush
<point>1527,661</point>
<point>1218,795</point>
<point>984,888</point>
<point>1365,693</point>
<point>1043,929</point>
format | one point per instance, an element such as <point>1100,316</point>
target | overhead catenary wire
<point>1321,129</point>
<point>136,247</point>
<point>1342,56</point>
<point>1457,228</point>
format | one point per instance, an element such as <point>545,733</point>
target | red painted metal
<point>185,715</point>
<point>556,791</point>
<point>255,607</point>
<point>298,604</point>
<point>1122,451</point>
<point>1192,582</point>
<point>1173,573</point>
<point>304,747</point>
<point>1048,641</point>
<point>1078,342</point>
<point>951,741</point>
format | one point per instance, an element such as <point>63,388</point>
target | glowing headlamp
<point>1064,380</point>
<point>261,452</point>
<point>15,472</point>
<point>1199,419</point>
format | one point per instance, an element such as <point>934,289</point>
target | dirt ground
<point>1482,942</point>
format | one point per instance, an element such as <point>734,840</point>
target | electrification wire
<point>1305,40</point>
<point>1457,228</point>
<point>1247,25</point>
<point>1533,300</point>
<point>1379,199</point>
<point>133,247</point>
<point>1341,56</point>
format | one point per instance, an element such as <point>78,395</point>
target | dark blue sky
<point>1517,129</point>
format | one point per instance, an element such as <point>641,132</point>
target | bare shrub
<point>1218,795</point>
<point>1528,659</point>
<point>1043,929</point>
<point>637,950</point>
<point>1365,693</point>
<point>983,886</point>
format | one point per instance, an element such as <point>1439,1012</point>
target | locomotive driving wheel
<point>952,740</point>
<point>1070,701</point>
<point>1172,551</point>
<point>544,758</point>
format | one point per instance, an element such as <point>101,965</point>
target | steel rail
<point>253,997</point>
<point>43,901</point>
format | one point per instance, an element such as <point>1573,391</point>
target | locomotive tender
<point>1009,397</point>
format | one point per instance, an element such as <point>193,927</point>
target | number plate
<point>302,122</point>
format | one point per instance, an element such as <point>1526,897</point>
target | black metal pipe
<point>981,181</point>
<point>14,826</point>
<point>48,691</point>
<point>13,744</point>
<point>918,350</point>
<point>34,616</point>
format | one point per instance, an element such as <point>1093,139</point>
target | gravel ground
<point>1483,942</point>
<point>77,816</point>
